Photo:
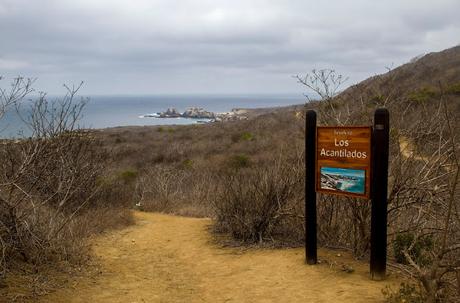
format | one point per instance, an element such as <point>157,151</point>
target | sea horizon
<point>103,111</point>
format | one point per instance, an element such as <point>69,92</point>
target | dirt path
<point>171,259</point>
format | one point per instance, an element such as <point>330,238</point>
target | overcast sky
<point>213,46</point>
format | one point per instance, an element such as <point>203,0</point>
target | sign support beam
<point>379,194</point>
<point>310,191</point>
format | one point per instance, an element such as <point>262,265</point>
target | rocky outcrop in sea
<point>200,113</point>
<point>170,113</point>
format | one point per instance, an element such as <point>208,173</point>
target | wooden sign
<point>343,160</point>
<point>342,156</point>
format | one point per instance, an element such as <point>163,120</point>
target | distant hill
<point>422,72</point>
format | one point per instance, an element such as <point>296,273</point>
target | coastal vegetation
<point>248,176</point>
<point>53,189</point>
<point>252,185</point>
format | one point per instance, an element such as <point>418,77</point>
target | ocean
<point>344,179</point>
<point>111,111</point>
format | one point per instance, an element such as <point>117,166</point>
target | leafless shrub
<point>253,203</point>
<point>326,84</point>
<point>424,229</point>
<point>158,188</point>
<point>20,87</point>
<point>47,180</point>
<point>424,201</point>
<point>344,223</point>
<point>180,190</point>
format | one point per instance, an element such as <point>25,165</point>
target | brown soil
<point>167,258</point>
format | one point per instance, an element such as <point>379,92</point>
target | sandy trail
<point>172,259</point>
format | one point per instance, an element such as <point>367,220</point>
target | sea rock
<point>198,113</point>
<point>234,115</point>
<point>170,113</point>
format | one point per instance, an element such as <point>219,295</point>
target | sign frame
<point>380,143</point>
<point>342,163</point>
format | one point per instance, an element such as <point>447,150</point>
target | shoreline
<point>250,113</point>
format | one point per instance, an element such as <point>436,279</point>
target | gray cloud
<point>212,46</point>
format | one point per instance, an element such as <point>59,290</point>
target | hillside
<point>248,178</point>
<point>278,126</point>
<point>230,171</point>
<point>429,70</point>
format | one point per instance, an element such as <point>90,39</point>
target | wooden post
<point>380,152</point>
<point>310,193</point>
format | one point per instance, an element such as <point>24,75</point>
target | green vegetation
<point>243,136</point>
<point>454,89</point>
<point>247,136</point>
<point>416,248</point>
<point>377,99</point>
<point>423,95</point>
<point>239,161</point>
<point>128,176</point>
<point>187,163</point>
<point>407,293</point>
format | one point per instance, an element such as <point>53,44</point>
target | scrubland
<point>248,176</point>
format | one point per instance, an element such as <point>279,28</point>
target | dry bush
<point>424,201</point>
<point>178,167</point>
<point>259,204</point>
<point>159,188</point>
<point>49,183</point>
<point>344,223</point>
<point>424,231</point>
<point>423,176</point>
<point>179,190</point>
<point>115,188</point>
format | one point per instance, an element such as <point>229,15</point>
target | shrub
<point>247,136</point>
<point>239,161</point>
<point>377,99</point>
<point>53,180</point>
<point>128,176</point>
<point>253,204</point>
<point>244,136</point>
<point>417,250</point>
<point>158,188</point>
<point>454,89</point>
<point>422,95</point>
<point>187,163</point>
<point>407,293</point>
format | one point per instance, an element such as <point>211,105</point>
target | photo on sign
<point>343,180</point>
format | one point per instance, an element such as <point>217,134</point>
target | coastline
<point>250,113</point>
<point>92,120</point>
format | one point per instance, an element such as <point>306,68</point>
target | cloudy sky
<point>214,46</point>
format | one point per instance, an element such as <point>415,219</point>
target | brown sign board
<point>343,160</point>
